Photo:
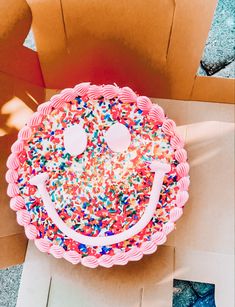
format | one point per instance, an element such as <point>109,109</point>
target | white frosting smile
<point>159,168</point>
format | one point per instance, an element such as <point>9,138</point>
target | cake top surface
<point>98,175</point>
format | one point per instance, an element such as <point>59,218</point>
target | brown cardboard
<point>16,19</point>
<point>55,282</point>
<point>154,48</point>
<point>215,268</point>
<point>13,249</point>
<point>15,59</point>
<point>18,99</point>
<point>49,32</point>
<point>192,21</point>
<point>213,89</point>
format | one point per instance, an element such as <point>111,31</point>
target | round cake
<point>98,175</point>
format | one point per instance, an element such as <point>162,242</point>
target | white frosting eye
<point>118,137</point>
<point>75,140</point>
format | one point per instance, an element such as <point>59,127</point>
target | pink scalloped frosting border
<point>155,113</point>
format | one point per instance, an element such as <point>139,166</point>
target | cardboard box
<point>200,249</point>
<point>127,42</point>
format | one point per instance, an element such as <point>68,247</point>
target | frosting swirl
<point>110,91</point>
<point>175,214</point>
<point>57,251</point>
<point>94,92</point>
<point>72,256</point>
<point>169,127</point>
<point>127,95</point>
<point>181,198</point>
<point>168,227</point>
<point>82,89</point>
<point>144,103</point>
<point>106,261</point>
<point>13,161</point>
<point>183,183</point>
<point>68,94</point>
<point>177,142</point>
<point>11,176</point>
<point>17,203</point>
<point>31,231</point>
<point>181,155</point>
<point>182,169</point>
<point>157,114</point>
<point>45,108</point>
<point>12,190</point>
<point>24,133</point>
<point>56,101</point>
<point>23,217</point>
<point>120,258</point>
<point>35,119</point>
<point>43,245</point>
<point>90,261</point>
<point>159,237</point>
<point>135,254</point>
<point>17,146</point>
<point>149,247</point>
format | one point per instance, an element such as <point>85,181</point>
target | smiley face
<point>98,177</point>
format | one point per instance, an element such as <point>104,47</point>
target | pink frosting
<point>17,146</point>
<point>106,261</point>
<point>168,227</point>
<point>144,103</point>
<point>182,169</point>
<point>23,217</point>
<point>175,214</point>
<point>94,92</point>
<point>110,91</point>
<point>43,245</point>
<point>169,127</point>
<point>181,155</point>
<point>90,261</point>
<point>12,190</point>
<point>177,142</point>
<point>57,251</point>
<point>45,108</point>
<point>57,102</point>
<point>13,161</point>
<point>134,254</point>
<point>11,176</point>
<point>31,232</point>
<point>24,133</point>
<point>181,198</point>
<point>68,94</point>
<point>183,183</point>
<point>149,247</point>
<point>36,119</point>
<point>127,95</point>
<point>120,258</point>
<point>72,256</point>
<point>157,114</point>
<point>17,203</point>
<point>159,237</point>
<point>82,89</point>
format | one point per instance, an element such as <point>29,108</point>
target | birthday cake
<point>98,175</point>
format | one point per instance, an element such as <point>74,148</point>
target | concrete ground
<point>9,285</point>
<point>219,53</point>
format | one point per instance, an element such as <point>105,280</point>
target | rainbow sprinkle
<point>98,192</point>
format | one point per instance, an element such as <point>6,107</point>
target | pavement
<point>9,285</point>
<point>219,53</point>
